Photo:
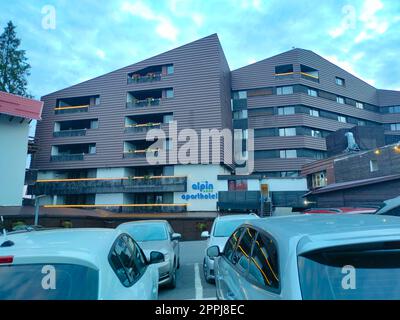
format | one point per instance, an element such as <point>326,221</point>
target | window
<point>240,95</point>
<point>395,127</point>
<point>316,133</point>
<point>170,69</point>
<point>314,112</point>
<point>240,257</point>
<point>127,260</point>
<point>168,144</point>
<point>264,267</point>
<point>169,93</point>
<point>394,109</point>
<point>340,81</point>
<point>359,105</point>
<point>340,100</point>
<point>284,111</point>
<point>230,246</point>
<point>286,154</point>
<point>97,101</point>
<point>168,118</point>
<point>373,165</point>
<point>318,179</point>
<point>361,123</point>
<point>241,114</point>
<point>289,174</point>
<point>287,68</point>
<point>284,90</point>
<point>342,119</point>
<point>286,132</point>
<point>237,185</point>
<point>245,134</point>
<point>312,92</point>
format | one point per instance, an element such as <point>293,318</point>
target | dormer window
<point>340,81</point>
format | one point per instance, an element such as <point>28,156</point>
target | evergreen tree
<point>14,68</point>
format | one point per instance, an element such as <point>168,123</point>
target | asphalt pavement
<point>190,283</point>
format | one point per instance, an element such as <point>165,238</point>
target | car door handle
<point>230,295</point>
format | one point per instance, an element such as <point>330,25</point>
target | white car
<point>76,264</point>
<point>221,230</point>
<point>157,235</point>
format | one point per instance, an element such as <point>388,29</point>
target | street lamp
<point>36,222</point>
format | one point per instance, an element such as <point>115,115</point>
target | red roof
<point>20,107</point>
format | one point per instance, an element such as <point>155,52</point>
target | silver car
<point>151,234</point>
<point>311,257</point>
<point>221,229</point>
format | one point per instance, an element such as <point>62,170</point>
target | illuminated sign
<point>202,191</point>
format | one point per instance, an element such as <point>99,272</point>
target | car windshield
<point>48,282</point>
<point>370,275</point>
<point>226,228</point>
<point>147,232</point>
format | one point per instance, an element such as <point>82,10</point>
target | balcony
<point>148,98</point>
<point>150,74</point>
<point>284,72</point>
<point>144,184</point>
<point>139,149</point>
<point>76,104</point>
<point>74,128</point>
<point>309,73</point>
<point>144,123</point>
<point>72,152</point>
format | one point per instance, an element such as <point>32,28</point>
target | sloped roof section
<point>18,106</point>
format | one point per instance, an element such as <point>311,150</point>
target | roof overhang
<point>18,106</point>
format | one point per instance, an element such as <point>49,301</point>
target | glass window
<point>340,100</point>
<point>359,105</point>
<point>264,263</point>
<point>241,114</point>
<point>284,111</point>
<point>394,109</point>
<point>316,133</point>
<point>170,69</point>
<point>239,95</point>
<point>230,246</point>
<point>287,68</point>
<point>284,90</point>
<point>241,256</point>
<point>226,228</point>
<point>340,81</point>
<point>312,92</point>
<point>137,254</point>
<point>395,126</point>
<point>168,118</point>
<point>314,112</point>
<point>97,101</point>
<point>288,154</point>
<point>286,132</point>
<point>319,179</point>
<point>146,231</point>
<point>342,119</point>
<point>237,185</point>
<point>368,272</point>
<point>169,93</point>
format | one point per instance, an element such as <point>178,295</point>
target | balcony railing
<point>138,128</point>
<point>111,185</point>
<point>73,109</point>
<point>286,75</point>
<point>308,76</point>
<point>70,133</point>
<point>139,153</point>
<point>67,157</point>
<point>151,77</point>
<point>143,103</point>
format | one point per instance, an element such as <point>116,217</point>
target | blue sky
<point>93,37</point>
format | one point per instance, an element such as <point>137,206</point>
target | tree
<point>14,68</point>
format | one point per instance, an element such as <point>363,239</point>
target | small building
<point>354,178</point>
<point>15,115</point>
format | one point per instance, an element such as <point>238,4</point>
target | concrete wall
<point>13,155</point>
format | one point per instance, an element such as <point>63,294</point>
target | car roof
<point>87,244</point>
<point>143,222</point>
<point>233,217</point>
<point>311,232</point>
<point>389,204</point>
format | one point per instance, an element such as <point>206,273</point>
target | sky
<point>70,41</point>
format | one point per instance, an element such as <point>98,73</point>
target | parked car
<point>390,207</point>
<point>221,229</point>
<point>311,257</point>
<point>340,210</point>
<point>76,264</point>
<point>157,235</point>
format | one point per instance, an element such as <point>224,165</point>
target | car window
<point>127,260</point>
<point>225,228</point>
<point>231,244</point>
<point>147,232</point>
<point>264,263</point>
<point>392,212</point>
<point>240,257</point>
<point>35,282</point>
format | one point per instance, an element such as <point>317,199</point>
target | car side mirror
<point>176,236</point>
<point>213,252</point>
<point>156,257</point>
<point>205,234</point>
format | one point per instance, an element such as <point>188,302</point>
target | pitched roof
<point>18,106</point>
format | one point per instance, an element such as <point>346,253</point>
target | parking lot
<point>190,282</point>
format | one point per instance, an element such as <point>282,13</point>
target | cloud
<point>164,28</point>
<point>101,54</point>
